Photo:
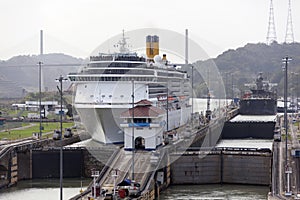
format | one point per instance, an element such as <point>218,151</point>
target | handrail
<point>102,173</point>
<point>5,150</point>
<point>151,175</point>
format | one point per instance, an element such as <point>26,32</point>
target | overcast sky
<point>77,27</point>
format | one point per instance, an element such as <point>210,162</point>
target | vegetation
<point>31,128</point>
<point>47,96</point>
<point>242,65</point>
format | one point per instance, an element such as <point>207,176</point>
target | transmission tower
<point>271,35</point>
<point>289,35</point>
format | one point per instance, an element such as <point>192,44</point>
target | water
<point>220,192</point>
<point>49,190</point>
<point>43,189</point>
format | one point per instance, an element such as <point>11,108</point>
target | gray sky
<point>77,27</point>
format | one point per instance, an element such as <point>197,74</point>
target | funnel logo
<point>139,99</point>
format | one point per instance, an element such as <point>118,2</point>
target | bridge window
<point>140,120</point>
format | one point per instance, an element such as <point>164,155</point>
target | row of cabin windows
<point>116,64</point>
<point>140,120</point>
<point>119,71</point>
<point>170,74</point>
<point>147,79</point>
<point>132,71</point>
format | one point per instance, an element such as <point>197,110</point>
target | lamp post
<point>40,97</point>
<point>192,89</point>
<point>232,87</point>
<point>285,68</point>
<point>132,138</point>
<point>61,79</point>
<point>226,74</point>
<point>297,91</point>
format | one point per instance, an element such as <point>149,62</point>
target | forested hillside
<point>242,65</point>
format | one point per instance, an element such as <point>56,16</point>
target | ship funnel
<point>152,46</point>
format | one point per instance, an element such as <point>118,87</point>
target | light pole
<point>226,89</point>
<point>192,89</point>
<point>297,91</point>
<point>232,87</point>
<point>132,138</point>
<point>61,79</point>
<point>40,97</point>
<point>285,68</point>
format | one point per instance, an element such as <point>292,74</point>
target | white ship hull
<point>103,124</point>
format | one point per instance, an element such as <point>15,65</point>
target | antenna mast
<point>289,35</point>
<point>123,44</point>
<point>271,35</point>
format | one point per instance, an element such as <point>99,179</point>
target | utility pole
<point>232,87</point>
<point>40,98</point>
<point>61,79</point>
<point>287,171</point>
<point>40,82</point>
<point>297,91</point>
<point>192,89</point>
<point>226,90</point>
<point>132,138</point>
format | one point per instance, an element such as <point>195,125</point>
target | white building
<point>47,106</point>
<point>147,126</point>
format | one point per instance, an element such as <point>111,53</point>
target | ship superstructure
<point>257,113</point>
<point>260,100</point>
<point>104,89</point>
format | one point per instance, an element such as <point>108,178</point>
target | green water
<point>49,190</point>
<point>43,189</point>
<point>220,192</point>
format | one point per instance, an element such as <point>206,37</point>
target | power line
<point>45,65</point>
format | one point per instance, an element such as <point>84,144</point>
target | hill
<point>23,72</point>
<point>242,65</point>
<point>19,74</point>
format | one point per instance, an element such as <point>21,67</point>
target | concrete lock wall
<point>246,169</point>
<point>196,170</point>
<point>222,168</point>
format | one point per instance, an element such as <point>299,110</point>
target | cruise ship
<point>110,83</point>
